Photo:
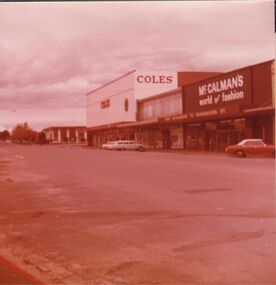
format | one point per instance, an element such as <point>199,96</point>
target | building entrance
<point>214,136</point>
<point>195,137</point>
<point>166,139</point>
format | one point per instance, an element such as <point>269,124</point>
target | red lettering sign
<point>105,103</point>
<point>140,78</point>
<point>161,79</point>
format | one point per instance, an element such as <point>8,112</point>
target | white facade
<point>112,103</point>
<point>63,134</point>
<point>115,102</point>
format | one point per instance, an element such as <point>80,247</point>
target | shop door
<point>166,137</point>
<point>223,140</point>
<point>211,140</point>
<point>226,138</point>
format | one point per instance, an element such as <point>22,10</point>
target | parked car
<point>251,147</point>
<point>123,145</point>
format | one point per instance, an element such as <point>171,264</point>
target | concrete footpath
<point>11,274</point>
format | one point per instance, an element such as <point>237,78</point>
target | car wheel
<point>240,154</point>
<point>140,148</point>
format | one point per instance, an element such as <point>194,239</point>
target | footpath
<point>11,274</point>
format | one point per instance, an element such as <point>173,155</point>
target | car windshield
<point>242,142</point>
<point>254,143</point>
<point>251,143</point>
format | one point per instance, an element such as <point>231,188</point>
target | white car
<point>123,145</point>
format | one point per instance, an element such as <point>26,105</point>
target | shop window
<point>211,126</point>
<point>195,137</point>
<point>176,137</point>
<point>239,124</point>
<point>165,106</point>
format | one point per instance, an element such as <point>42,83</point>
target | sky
<point>53,53</point>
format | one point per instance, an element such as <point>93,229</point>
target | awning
<point>142,123</point>
<point>260,109</point>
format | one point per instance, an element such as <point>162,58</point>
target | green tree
<point>4,135</point>
<point>22,133</point>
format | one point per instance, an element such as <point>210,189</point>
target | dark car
<point>251,147</point>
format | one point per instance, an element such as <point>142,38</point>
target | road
<point>74,215</point>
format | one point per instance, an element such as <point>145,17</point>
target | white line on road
<point>5,151</point>
<point>19,156</point>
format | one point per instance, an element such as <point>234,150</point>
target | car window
<point>254,143</point>
<point>259,143</point>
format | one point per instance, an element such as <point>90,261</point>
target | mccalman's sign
<point>224,90</point>
<point>230,89</point>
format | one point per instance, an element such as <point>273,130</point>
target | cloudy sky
<point>52,53</point>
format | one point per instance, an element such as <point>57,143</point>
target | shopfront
<point>160,133</point>
<point>228,108</point>
<point>207,115</point>
<point>162,136</point>
<point>100,135</point>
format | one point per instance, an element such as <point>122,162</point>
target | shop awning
<point>260,109</point>
<point>141,123</point>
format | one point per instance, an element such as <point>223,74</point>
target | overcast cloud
<point>51,54</point>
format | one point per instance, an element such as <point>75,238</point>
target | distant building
<point>66,134</point>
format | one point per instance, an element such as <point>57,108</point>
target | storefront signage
<point>126,104</point>
<point>173,118</point>
<point>214,112</point>
<point>230,89</point>
<point>149,83</point>
<point>223,90</point>
<point>105,103</point>
<point>156,79</point>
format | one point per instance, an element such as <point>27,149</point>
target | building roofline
<point>230,71</point>
<point>59,127</point>
<point>110,82</point>
<point>111,125</point>
<point>163,94</point>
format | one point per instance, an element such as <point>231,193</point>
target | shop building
<point>66,134</point>
<point>112,109</point>
<point>227,108</point>
<point>113,106</point>
<point>201,111</point>
<point>153,128</point>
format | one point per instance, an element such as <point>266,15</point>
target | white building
<point>112,109</point>
<point>115,102</point>
<point>66,134</point>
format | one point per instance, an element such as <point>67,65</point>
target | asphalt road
<point>73,215</point>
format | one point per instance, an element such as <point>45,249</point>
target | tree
<point>41,138</point>
<point>4,135</point>
<point>22,133</point>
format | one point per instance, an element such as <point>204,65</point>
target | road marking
<point>19,156</point>
<point>5,151</point>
